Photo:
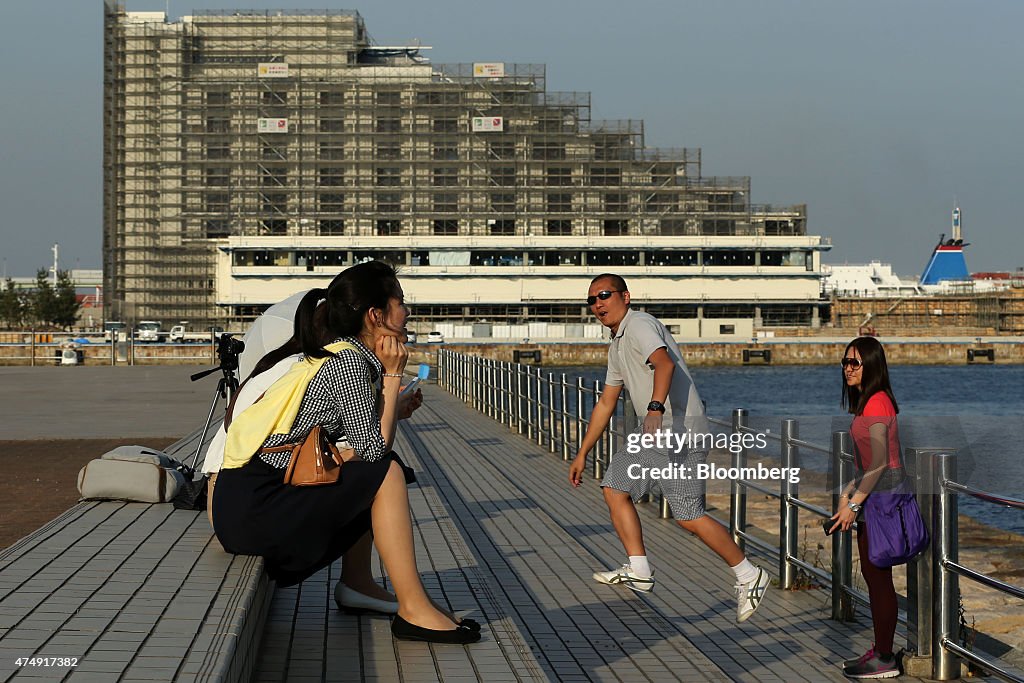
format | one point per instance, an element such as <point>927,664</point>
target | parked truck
<point>148,331</point>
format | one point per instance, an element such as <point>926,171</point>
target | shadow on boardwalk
<point>503,538</point>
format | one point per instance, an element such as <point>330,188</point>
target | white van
<point>148,331</point>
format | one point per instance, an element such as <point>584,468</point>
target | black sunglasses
<point>851,362</point>
<point>603,296</point>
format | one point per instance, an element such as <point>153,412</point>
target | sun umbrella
<point>268,332</point>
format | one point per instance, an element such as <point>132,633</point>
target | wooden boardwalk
<point>503,538</point>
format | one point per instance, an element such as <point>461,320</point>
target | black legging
<point>881,592</point>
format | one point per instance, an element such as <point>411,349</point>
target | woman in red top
<point>868,395</point>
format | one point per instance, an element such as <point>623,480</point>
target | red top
<point>878,409</point>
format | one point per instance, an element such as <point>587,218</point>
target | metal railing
<point>125,350</point>
<point>554,411</point>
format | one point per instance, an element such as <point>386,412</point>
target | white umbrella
<point>268,332</point>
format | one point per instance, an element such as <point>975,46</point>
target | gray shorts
<point>684,492</point>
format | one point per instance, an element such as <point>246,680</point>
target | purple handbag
<point>896,531</point>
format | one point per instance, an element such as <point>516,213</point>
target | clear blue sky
<point>876,114</point>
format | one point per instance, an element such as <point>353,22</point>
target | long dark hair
<point>874,376</point>
<point>350,295</point>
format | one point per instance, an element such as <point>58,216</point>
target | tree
<point>65,309</point>
<point>12,305</point>
<point>42,300</point>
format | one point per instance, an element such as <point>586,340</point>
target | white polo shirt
<point>641,334</point>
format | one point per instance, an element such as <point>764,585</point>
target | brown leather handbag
<point>315,460</point>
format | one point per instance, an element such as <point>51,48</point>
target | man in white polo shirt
<point>643,357</point>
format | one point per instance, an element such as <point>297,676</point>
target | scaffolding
<point>291,123</point>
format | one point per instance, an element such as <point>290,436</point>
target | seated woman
<point>348,383</point>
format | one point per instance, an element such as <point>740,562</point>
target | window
<point>218,176</point>
<point>446,151</point>
<point>332,125</point>
<point>559,227</point>
<point>273,177</point>
<point>438,97</point>
<point>608,150</point>
<point>388,124</point>
<point>218,99</point>
<point>661,202</point>
<point>615,228</point>
<point>332,151</point>
<point>331,176</point>
<point>218,125</point>
<point>503,202</point>
<point>674,226</point>
<point>389,227</point>
<point>388,150</point>
<point>446,202</point>
<point>216,202</point>
<point>274,97</point>
<point>670,258</point>
<point>616,203</point>
<point>728,258</point>
<point>274,202</point>
<point>605,175</point>
<point>216,228</point>
<point>332,98</point>
<point>559,176</point>
<point>726,329</point>
<point>446,226</point>
<point>496,258</point>
<point>389,175</point>
<point>218,150</point>
<point>389,202</point>
<point>446,125</point>
<point>556,258</point>
<point>548,150</point>
<point>729,311</point>
<point>501,150</point>
<point>445,177</point>
<point>389,98</point>
<point>332,226</point>
<point>275,226</point>
<point>503,176</point>
<point>559,202</point>
<point>332,202</point>
<point>717,227</point>
<point>502,227</point>
<point>612,258</point>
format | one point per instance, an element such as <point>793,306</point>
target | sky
<point>878,115</point>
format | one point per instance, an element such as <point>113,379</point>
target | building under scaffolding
<point>250,154</point>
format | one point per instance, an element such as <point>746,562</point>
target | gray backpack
<point>133,473</point>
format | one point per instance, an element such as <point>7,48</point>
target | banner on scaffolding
<point>272,125</point>
<point>488,69</point>
<point>272,70</point>
<point>488,124</point>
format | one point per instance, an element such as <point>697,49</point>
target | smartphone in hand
<point>827,524</point>
<point>410,387</point>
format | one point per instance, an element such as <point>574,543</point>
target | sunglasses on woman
<point>603,296</point>
<point>851,362</point>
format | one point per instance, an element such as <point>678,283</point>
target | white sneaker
<point>749,595</point>
<point>625,576</point>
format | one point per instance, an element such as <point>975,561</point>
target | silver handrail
<point>539,407</point>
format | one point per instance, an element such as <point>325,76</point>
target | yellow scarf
<point>275,412</point>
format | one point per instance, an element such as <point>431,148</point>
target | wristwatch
<point>656,406</point>
<point>854,506</point>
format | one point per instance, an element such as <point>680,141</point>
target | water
<point>979,410</point>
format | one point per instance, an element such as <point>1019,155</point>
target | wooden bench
<point>130,592</point>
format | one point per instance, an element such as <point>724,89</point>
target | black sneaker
<point>876,666</point>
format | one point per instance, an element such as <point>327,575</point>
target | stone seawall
<point>771,352</point>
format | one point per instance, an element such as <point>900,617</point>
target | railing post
<point>579,413</point>
<point>113,347</point>
<point>551,412</point>
<point>920,596</point>
<point>945,548</point>
<point>131,347</point>
<point>842,545</point>
<point>738,498</point>
<point>519,398</point>
<point>789,514</point>
<point>563,390</point>
<point>32,349</point>
<point>599,446</point>
<point>540,407</point>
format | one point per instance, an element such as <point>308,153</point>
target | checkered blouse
<point>342,397</point>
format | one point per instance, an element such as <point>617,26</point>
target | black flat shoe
<point>471,624</point>
<point>463,635</point>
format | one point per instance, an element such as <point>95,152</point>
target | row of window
<point>565,257</point>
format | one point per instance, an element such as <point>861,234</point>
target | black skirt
<point>298,530</point>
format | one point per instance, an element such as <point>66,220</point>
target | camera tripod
<point>228,350</point>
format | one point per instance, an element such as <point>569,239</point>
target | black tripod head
<point>228,349</point>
